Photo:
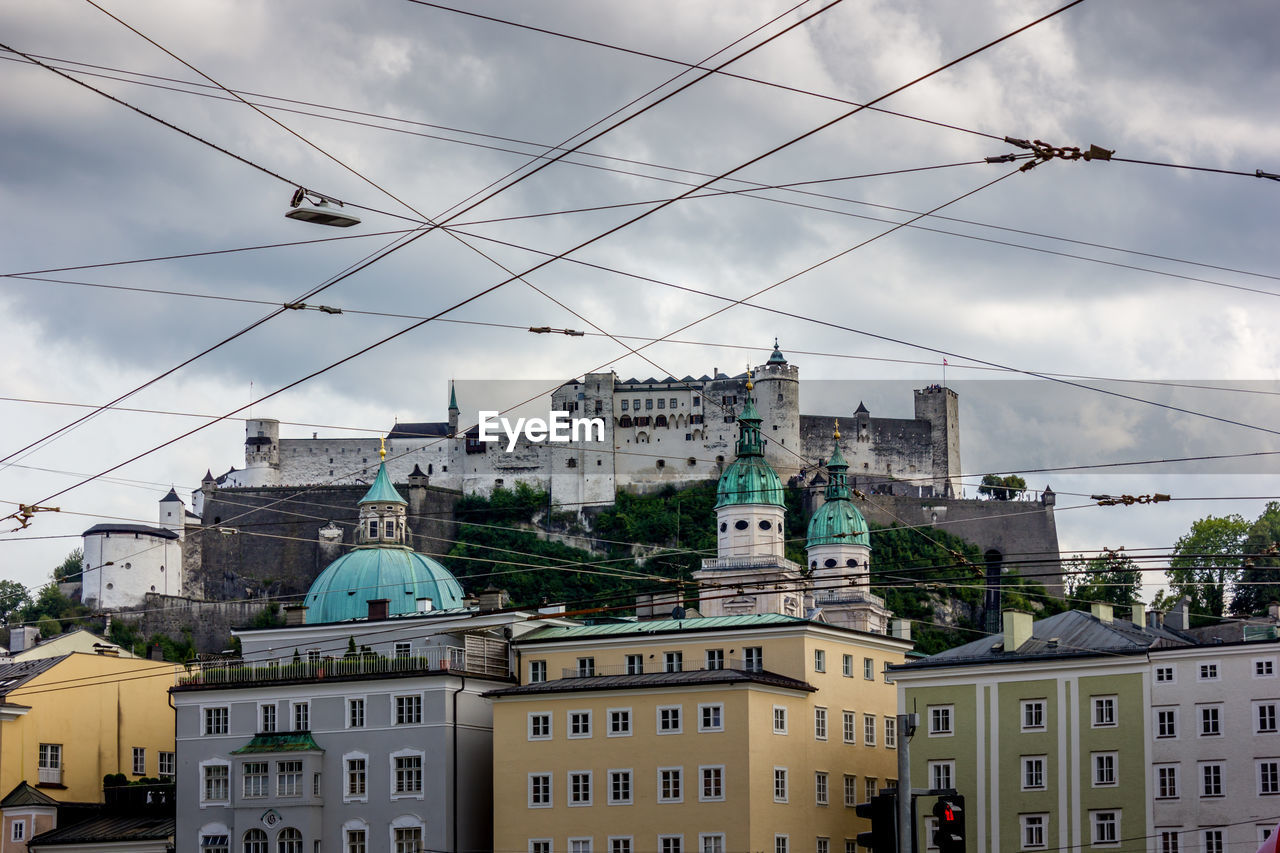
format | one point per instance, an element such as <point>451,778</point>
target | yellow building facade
<point>743,733</point>
<point>65,722</point>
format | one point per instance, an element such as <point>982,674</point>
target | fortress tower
<point>777,392</point>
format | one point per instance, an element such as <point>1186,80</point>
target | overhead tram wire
<point>790,188</point>
<point>608,232</point>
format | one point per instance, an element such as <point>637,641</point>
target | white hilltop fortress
<point>656,432</point>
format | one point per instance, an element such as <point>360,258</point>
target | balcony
<point>483,659</point>
<point>846,596</point>
<point>729,564</point>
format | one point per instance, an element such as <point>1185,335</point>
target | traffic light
<point>949,837</point>
<point>882,811</point>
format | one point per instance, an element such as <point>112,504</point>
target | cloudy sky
<point>413,112</point>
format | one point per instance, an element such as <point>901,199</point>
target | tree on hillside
<point>1112,578</point>
<point>13,597</point>
<point>1002,488</point>
<point>1258,583</point>
<point>1206,564</point>
<point>70,568</point>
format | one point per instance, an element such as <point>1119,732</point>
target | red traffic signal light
<point>949,837</point>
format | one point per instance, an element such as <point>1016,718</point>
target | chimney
<point>378,608</point>
<point>644,606</point>
<point>1273,611</point>
<point>21,639</point>
<point>1178,616</point>
<point>1017,629</point>
<point>1139,615</point>
<point>424,605</point>
<point>1155,619</point>
<point>901,629</point>
<point>492,599</point>
<point>1101,610</point>
<point>155,652</point>
<point>295,614</point>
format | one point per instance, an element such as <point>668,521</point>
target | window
<point>711,718</point>
<point>1166,722</point>
<point>19,831</point>
<point>256,780</point>
<point>619,787</point>
<point>820,723</point>
<point>1167,841</point>
<point>288,778</point>
<point>539,790</point>
<point>214,844</point>
<point>539,725</point>
<point>139,761</point>
<point>850,727</point>
<point>267,718</point>
<point>669,785</point>
<point>625,404</point>
<point>619,722</point>
<point>1164,675</point>
<point>1211,841</point>
<point>851,846</point>
<point>715,658</point>
<point>357,777</point>
<point>940,720</point>
<point>301,716</point>
<point>539,845</point>
<point>1266,717</point>
<point>820,794</point>
<point>1033,715</point>
<point>580,788</point>
<point>1211,780</point>
<point>1210,720</point>
<point>537,671</point>
<point>407,774</point>
<point>408,710</point>
<point>672,661</point>
<point>930,825</point>
<point>586,667</point>
<point>648,404</point>
<point>669,720</point>
<point>620,845</point>
<point>1264,667</point>
<point>1167,781</point>
<point>712,784</point>
<point>779,784</point>
<point>579,724</point>
<point>713,843</point>
<point>753,658</point>
<point>1106,827</point>
<point>890,732</point>
<point>1033,772</point>
<point>1104,711</point>
<point>215,721</point>
<point>579,845</point>
<point>670,843</point>
<point>942,774</point>
<point>819,660</point>
<point>216,783</point>
<point>781,844</point>
<point>1104,769</point>
<point>869,669</point>
<point>846,666</point>
<point>1209,671</point>
<point>850,790</point>
<point>1032,831</point>
<point>168,764</point>
<point>1269,776</point>
<point>355,713</point>
<point>824,845</point>
<point>870,787</point>
<point>869,729</point>
<point>635,664</point>
<point>402,649</point>
<point>779,720</point>
<point>408,839</point>
<point>357,841</point>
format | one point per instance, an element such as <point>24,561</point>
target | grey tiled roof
<point>131,528</point>
<point>655,679</point>
<point>102,830</point>
<point>1064,635</point>
<point>435,429</point>
<point>14,675</point>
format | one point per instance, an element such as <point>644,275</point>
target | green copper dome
<point>838,521</point>
<point>382,491</point>
<point>749,479</point>
<point>344,589</point>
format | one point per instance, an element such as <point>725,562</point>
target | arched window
<point>660,421</point>
<point>255,841</point>
<point>624,421</point>
<point>289,841</point>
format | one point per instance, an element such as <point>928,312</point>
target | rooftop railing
<point>731,563</point>
<point>434,659</point>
